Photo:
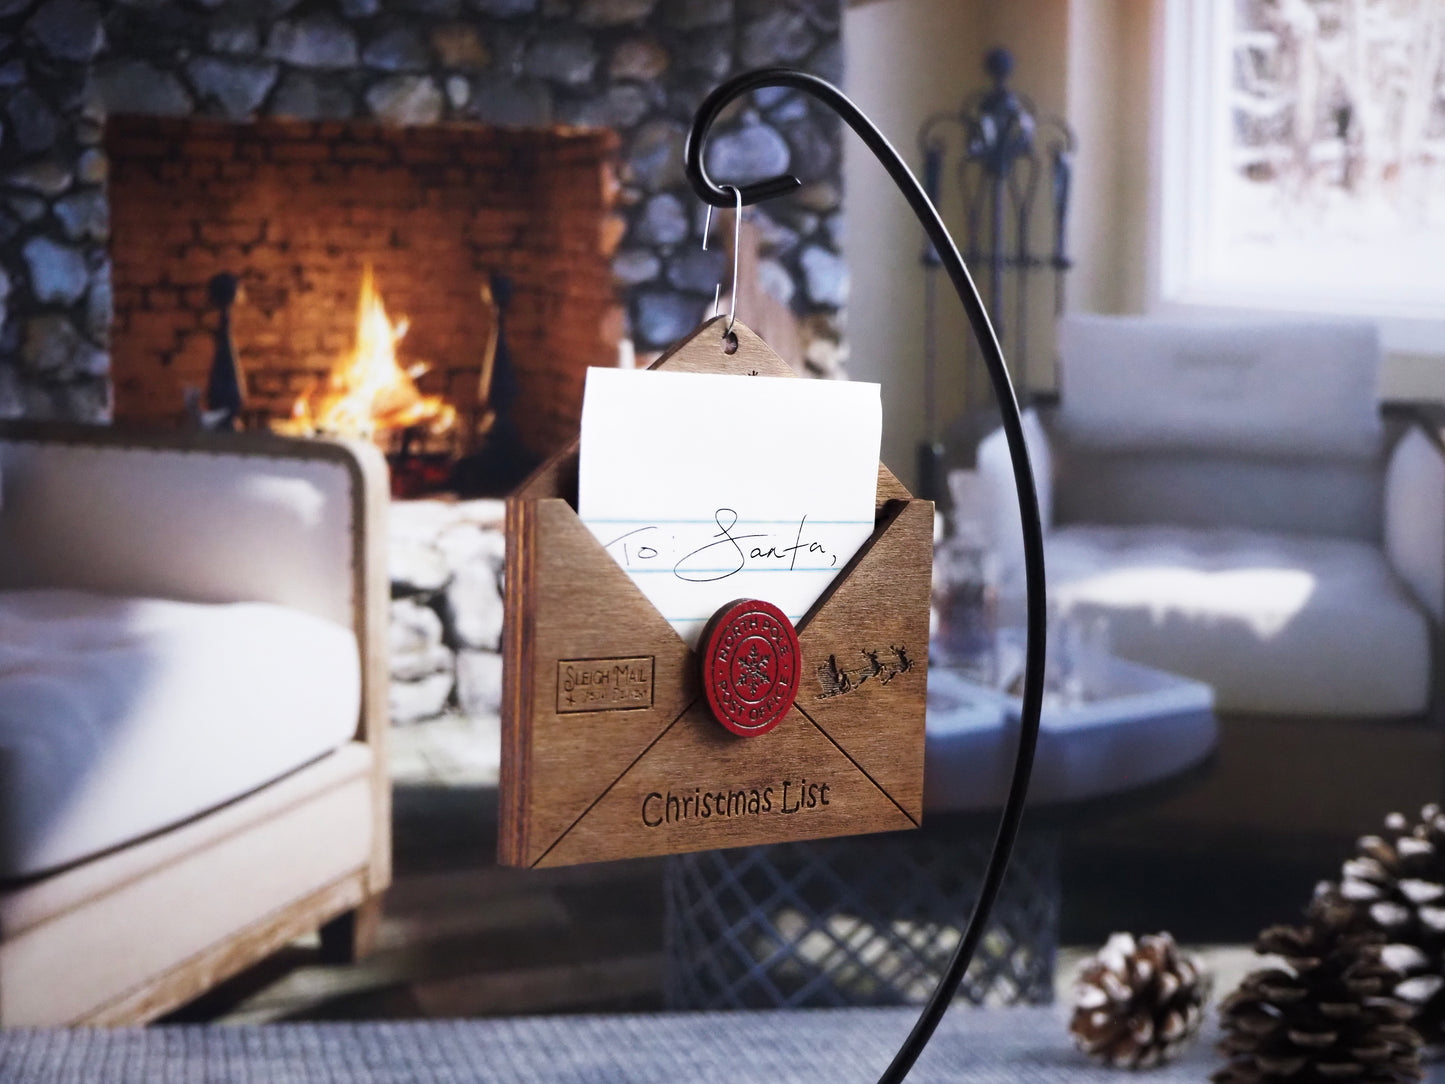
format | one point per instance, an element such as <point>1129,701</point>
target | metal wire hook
<point>737,247</point>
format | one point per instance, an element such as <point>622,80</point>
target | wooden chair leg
<point>351,936</point>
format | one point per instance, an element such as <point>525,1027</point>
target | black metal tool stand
<point>952,263</point>
<point>1001,152</point>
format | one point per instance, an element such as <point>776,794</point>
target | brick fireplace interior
<point>297,209</point>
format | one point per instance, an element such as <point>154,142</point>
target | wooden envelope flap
<point>593,674</point>
<point>865,654</point>
<point>607,674</point>
<point>890,557</point>
<point>586,621</point>
<point>896,531</point>
<point>699,787</point>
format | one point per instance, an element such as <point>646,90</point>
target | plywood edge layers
<point>518,638</point>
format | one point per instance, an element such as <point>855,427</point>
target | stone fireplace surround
<point>638,67</point>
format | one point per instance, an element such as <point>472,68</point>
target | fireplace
<point>301,211</point>
<point>516,82</point>
<point>448,144</point>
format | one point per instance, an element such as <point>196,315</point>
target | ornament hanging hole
<point>730,342</point>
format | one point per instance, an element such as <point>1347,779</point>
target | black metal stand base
<point>991,881</point>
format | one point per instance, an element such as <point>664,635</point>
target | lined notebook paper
<point>707,488</point>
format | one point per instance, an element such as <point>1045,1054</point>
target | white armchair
<point>1231,499</point>
<point>192,712</point>
<point>1228,498</point>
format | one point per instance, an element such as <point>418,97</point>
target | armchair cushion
<point>120,717</point>
<point>1291,389</point>
<point>1276,623</point>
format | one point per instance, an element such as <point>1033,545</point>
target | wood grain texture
<point>668,802</point>
<point>515,770</point>
<point>633,780</point>
<point>578,611</point>
<point>704,351</point>
<point>872,625</point>
<point>890,488</point>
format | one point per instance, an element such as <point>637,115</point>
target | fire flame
<point>368,391</point>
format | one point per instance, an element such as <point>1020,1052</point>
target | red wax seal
<point>750,666</point>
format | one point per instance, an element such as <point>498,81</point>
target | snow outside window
<point>1303,160</point>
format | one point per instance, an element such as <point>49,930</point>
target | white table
<point>1141,728</point>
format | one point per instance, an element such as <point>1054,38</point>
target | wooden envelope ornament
<point>610,748</point>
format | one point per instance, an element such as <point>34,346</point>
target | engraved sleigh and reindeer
<point>881,665</point>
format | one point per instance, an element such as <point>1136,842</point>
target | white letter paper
<point>707,488</point>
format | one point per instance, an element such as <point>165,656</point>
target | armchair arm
<point>1415,513</point>
<point>1004,532</point>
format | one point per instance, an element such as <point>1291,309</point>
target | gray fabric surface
<point>1005,1046</point>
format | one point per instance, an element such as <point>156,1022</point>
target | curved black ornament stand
<point>953,263</point>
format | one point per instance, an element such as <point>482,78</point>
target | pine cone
<point>1138,1005</point>
<point>1396,884</point>
<point>1325,1016</point>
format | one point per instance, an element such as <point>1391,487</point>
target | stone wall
<point>446,609</point>
<point>639,67</point>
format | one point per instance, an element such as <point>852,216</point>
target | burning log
<point>368,393</point>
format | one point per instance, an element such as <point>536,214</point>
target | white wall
<point>1093,61</point>
<point>905,59</point>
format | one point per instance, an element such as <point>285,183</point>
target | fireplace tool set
<point>1002,142</point>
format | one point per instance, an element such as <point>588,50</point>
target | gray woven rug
<point>1003,1046</point>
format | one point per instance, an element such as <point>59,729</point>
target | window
<point>1303,160</point>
